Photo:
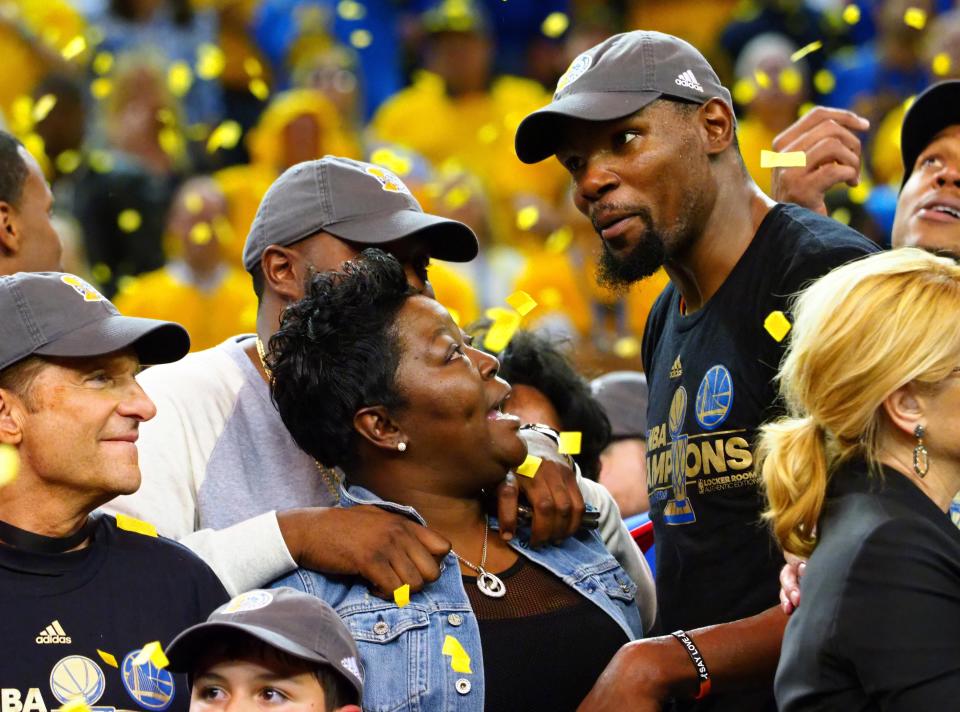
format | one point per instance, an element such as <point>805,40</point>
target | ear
<point>9,232</point>
<point>378,428</point>
<point>904,409</point>
<point>284,272</point>
<point>11,431</point>
<point>718,124</point>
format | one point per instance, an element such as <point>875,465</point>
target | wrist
<point>704,681</point>
<point>293,525</point>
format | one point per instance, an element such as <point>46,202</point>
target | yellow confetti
<point>559,240</point>
<point>22,114</point>
<point>762,79</point>
<point>777,325</point>
<point>627,347</point>
<point>787,159</point>
<point>259,89</point>
<point>102,62</point>
<point>77,704</point>
<point>550,297</point>
<point>851,14</point>
<point>129,220</point>
<point>101,272</point>
<point>459,658</point>
<point>555,24</point>
<point>527,217</point>
<point>790,81</point>
<point>824,81</point>
<point>107,658</point>
<point>74,47</point>
<point>744,91</point>
<point>488,133</point>
<point>392,161</point>
<point>101,161</point>
<point>805,108</point>
<point>522,302</point>
<point>804,51</point>
<point>859,193</point>
<point>130,524</point>
<point>68,161</point>
<point>153,653</point>
<point>210,61</point>
<point>457,197</point>
<point>43,107</point>
<point>350,10</point>
<point>841,215</point>
<point>455,315</point>
<point>361,39</point>
<point>179,78</point>
<point>570,442</point>
<point>101,88</point>
<point>252,66</point>
<point>193,202</point>
<point>941,64</point>
<point>505,325</point>
<point>171,141</point>
<point>225,136</point>
<point>915,17</point>
<point>201,233</point>
<point>9,463</point>
<point>529,467</point>
<point>223,229</point>
<point>401,596</point>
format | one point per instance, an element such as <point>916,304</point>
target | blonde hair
<point>859,333</point>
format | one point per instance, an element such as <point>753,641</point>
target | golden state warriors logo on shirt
<point>714,397</point>
<point>88,293</point>
<point>387,180</point>
<point>576,69</point>
<point>151,687</point>
<point>77,677</point>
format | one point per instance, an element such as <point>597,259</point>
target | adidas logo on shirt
<point>53,634</point>
<point>689,81</point>
<point>676,370</point>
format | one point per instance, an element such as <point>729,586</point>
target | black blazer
<point>878,627</point>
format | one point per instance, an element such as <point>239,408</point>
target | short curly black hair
<point>533,360</point>
<point>337,351</point>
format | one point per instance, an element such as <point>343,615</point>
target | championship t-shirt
<point>72,625</point>
<point>710,375</point>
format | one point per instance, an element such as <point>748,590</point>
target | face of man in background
<point>928,209</point>
<point>40,247</point>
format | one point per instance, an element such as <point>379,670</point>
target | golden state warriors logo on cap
<point>387,180</point>
<point>714,397</point>
<point>88,293</point>
<point>151,687</point>
<point>76,677</point>
<point>576,69</point>
<point>250,601</point>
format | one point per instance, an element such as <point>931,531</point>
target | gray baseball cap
<point>936,108</point>
<point>352,200</point>
<point>616,78</point>
<point>623,395</point>
<point>296,623</point>
<point>57,314</point>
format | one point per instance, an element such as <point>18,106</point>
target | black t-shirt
<point>71,624</point>
<point>710,378</point>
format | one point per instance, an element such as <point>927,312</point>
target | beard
<point>618,272</point>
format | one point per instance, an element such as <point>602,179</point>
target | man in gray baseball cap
<point>298,638</point>
<point>648,135</point>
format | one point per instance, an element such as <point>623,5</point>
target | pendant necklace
<point>489,584</point>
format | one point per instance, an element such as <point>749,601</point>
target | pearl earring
<point>402,446</point>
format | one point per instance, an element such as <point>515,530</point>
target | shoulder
<point>656,320</point>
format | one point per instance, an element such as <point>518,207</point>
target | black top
<point>878,625</point>
<point>543,631</point>
<point>72,623</point>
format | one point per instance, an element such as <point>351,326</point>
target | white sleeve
<point>621,545</point>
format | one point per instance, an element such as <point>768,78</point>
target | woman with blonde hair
<point>859,477</point>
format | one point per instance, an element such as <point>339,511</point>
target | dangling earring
<point>921,460</point>
<point>402,446</point>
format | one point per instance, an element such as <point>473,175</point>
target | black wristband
<point>702,673</point>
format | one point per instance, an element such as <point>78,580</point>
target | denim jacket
<point>400,648</point>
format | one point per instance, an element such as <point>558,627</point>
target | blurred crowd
<point>161,123</point>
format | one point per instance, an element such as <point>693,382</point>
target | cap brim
<point>188,647</point>
<point>154,341</point>
<point>539,133</point>
<point>934,110</point>
<point>449,240</point>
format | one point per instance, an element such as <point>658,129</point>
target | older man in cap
<point>221,472</point>
<point>87,599</point>
<point>647,132</point>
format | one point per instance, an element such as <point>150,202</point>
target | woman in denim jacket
<point>377,380</point>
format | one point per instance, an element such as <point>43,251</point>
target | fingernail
<point>507,536</point>
<point>510,479</point>
<point>795,598</point>
<point>802,566</point>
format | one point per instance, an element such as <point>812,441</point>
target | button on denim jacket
<point>401,648</point>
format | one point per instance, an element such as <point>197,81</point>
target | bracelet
<point>698,663</point>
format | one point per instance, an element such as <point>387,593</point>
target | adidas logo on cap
<point>53,634</point>
<point>689,81</point>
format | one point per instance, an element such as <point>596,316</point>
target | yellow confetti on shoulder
<point>777,325</point>
<point>459,658</point>
<point>915,17</point>
<point>361,39</point>
<point>131,524</point>
<point>570,442</point>
<point>107,658</point>
<point>788,159</point>
<point>522,302</point>
<point>804,51</point>
<point>851,14</point>
<point>401,596</point>
<point>555,24</point>
<point>9,464</point>
<point>153,653</point>
<point>129,220</point>
<point>77,704</point>
<point>225,136</point>
<point>529,466</point>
